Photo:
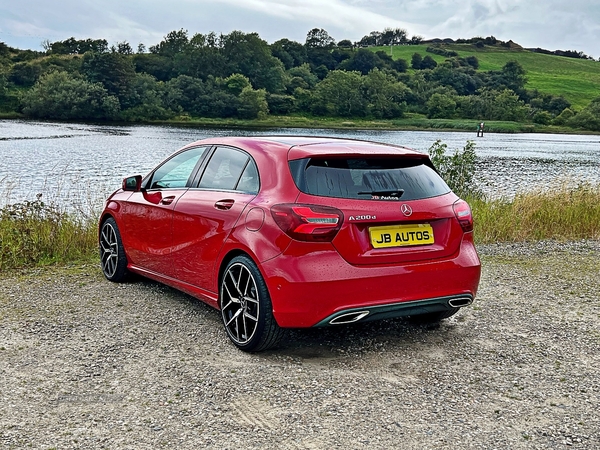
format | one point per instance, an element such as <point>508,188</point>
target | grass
<point>411,121</point>
<point>33,233</point>
<point>568,213</point>
<point>577,80</point>
<point>36,234</point>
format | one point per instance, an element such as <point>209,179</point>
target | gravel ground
<point>88,364</point>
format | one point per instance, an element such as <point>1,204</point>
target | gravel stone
<point>85,363</point>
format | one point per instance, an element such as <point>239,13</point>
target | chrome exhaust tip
<point>349,318</point>
<point>460,302</point>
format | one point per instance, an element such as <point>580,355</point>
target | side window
<point>224,169</point>
<point>249,180</point>
<point>176,172</point>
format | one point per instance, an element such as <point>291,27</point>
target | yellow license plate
<point>401,235</point>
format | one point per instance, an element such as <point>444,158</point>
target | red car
<point>285,232</point>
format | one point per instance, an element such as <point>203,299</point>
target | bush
<point>458,170</point>
<point>58,95</point>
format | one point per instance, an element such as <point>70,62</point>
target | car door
<point>149,212</point>
<point>205,215</point>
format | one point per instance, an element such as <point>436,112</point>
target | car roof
<point>299,147</point>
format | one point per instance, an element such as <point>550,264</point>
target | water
<point>64,160</point>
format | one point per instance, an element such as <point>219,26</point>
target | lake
<point>63,160</point>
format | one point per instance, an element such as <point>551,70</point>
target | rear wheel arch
<point>228,258</point>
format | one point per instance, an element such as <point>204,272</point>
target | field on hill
<point>578,80</point>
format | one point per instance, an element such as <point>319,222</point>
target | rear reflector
<point>308,222</point>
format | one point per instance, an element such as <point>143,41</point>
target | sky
<point>549,24</point>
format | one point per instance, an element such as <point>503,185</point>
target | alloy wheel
<point>109,248</point>
<point>240,305</point>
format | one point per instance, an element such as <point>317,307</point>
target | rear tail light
<point>308,222</point>
<point>463,214</point>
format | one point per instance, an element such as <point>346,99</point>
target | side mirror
<point>133,184</point>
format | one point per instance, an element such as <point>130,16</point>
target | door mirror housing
<point>133,184</point>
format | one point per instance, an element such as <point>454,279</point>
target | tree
<point>281,104</point>
<point>160,67</point>
<point>146,100</point>
<point>253,103</point>
<point>189,93</point>
<point>301,77</point>
<point>588,118</point>
<point>512,76</point>
<point>428,63</point>
<point>462,80</point>
<point>203,57</point>
<point>441,106</point>
<point>493,104</point>
<point>236,83</point>
<point>174,42</point>
<point>25,73</point>
<point>115,71</point>
<point>291,53</point>
<point>319,38</point>
<point>362,61</point>
<point>564,117</point>
<point>74,46</point>
<point>385,96</point>
<point>390,36</point>
<point>400,65</point>
<point>251,56</point>
<point>2,85</point>
<point>416,61</point>
<point>472,61</point>
<point>124,48</point>
<point>340,94</point>
<point>58,95</point>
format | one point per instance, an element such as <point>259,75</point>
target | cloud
<point>552,24</point>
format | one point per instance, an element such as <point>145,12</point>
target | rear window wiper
<point>386,192</point>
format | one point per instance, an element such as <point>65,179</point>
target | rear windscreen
<point>368,178</point>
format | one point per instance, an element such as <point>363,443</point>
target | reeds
<point>563,213</point>
<point>34,233</point>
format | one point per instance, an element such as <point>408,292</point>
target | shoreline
<point>405,124</point>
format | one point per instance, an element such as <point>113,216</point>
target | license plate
<point>401,235</point>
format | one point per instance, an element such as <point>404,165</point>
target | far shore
<point>412,122</point>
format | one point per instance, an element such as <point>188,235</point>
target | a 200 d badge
<point>366,217</point>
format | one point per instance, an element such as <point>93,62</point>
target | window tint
<point>176,172</point>
<point>249,180</point>
<point>224,169</point>
<point>368,178</point>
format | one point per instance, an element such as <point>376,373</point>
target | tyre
<point>112,254</point>
<point>435,317</point>
<point>246,307</point>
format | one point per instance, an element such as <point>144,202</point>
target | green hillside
<point>578,80</point>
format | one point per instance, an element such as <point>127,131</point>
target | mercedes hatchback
<point>287,232</point>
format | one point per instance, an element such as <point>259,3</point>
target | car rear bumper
<point>393,310</point>
<point>314,286</point>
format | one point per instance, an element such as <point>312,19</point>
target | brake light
<point>308,222</point>
<point>463,214</point>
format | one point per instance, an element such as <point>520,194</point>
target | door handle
<point>224,204</point>
<point>168,200</point>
